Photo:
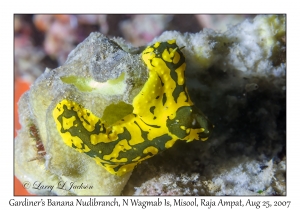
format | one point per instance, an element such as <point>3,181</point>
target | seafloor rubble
<point>237,78</point>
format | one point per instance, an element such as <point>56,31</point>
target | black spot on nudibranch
<point>87,122</point>
<point>151,63</point>
<point>164,99</point>
<point>152,109</point>
<point>162,84</point>
<point>154,126</point>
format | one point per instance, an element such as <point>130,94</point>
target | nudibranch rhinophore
<point>162,114</point>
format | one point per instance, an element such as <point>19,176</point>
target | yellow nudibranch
<point>162,114</point>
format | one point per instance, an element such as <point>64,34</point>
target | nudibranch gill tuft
<point>162,114</point>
